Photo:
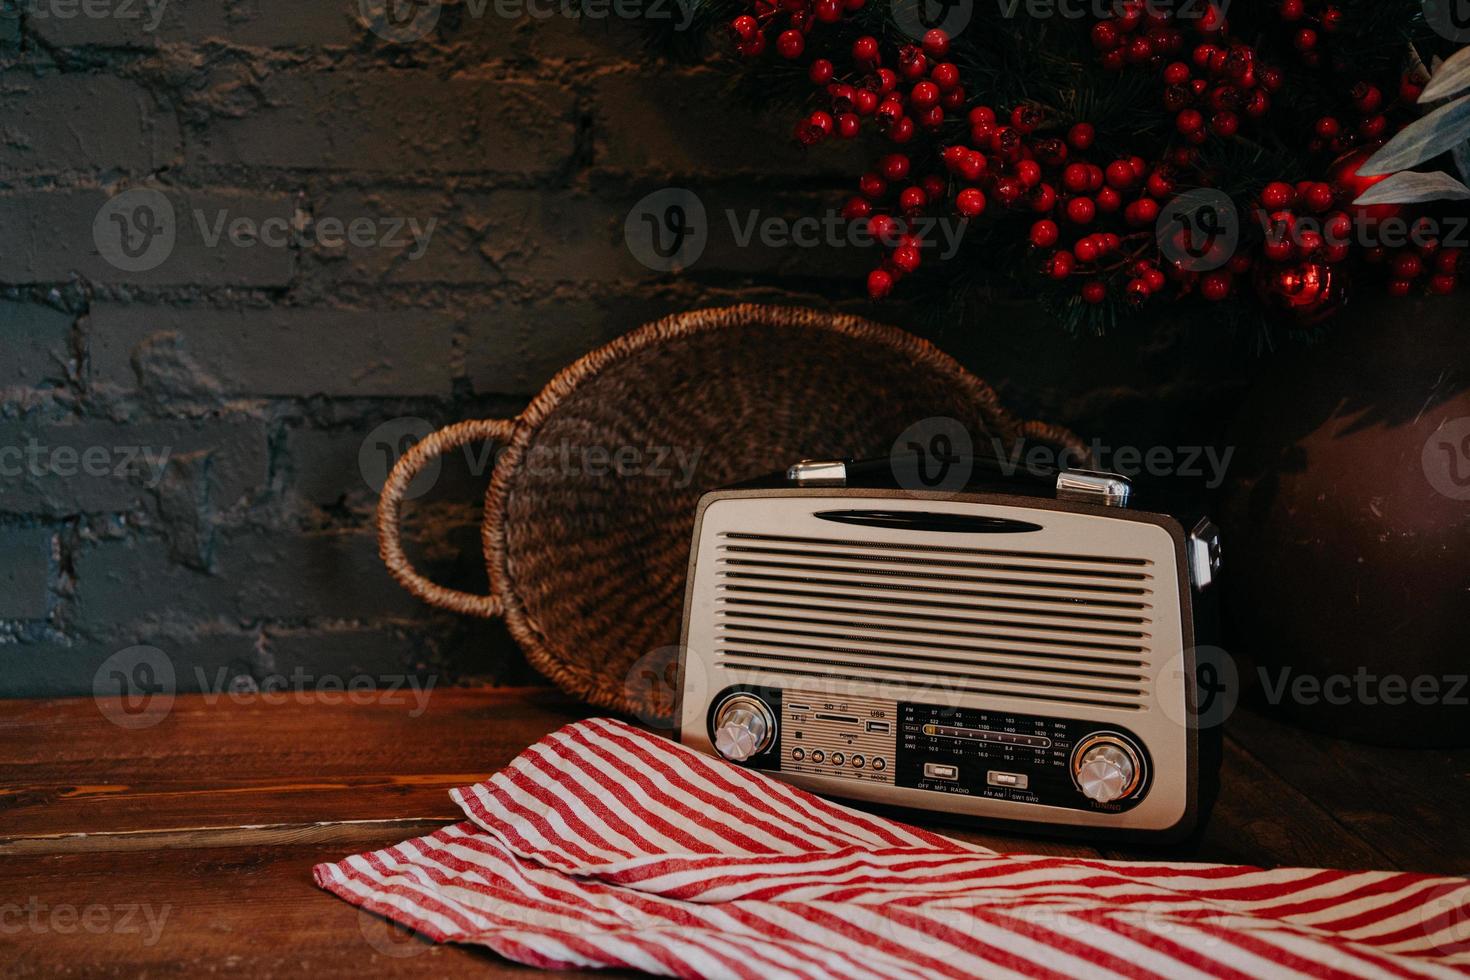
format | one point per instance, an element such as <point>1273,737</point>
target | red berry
<point>924,94</point>
<point>1076,178</point>
<point>981,115</point>
<point>848,125</point>
<point>1060,266</point>
<point>1190,121</point>
<point>1448,260</point>
<point>1225,124</point>
<point>970,202</point>
<point>1160,185</point>
<point>1407,265</point>
<point>790,44</point>
<point>946,75</point>
<point>1177,73</point>
<point>828,11</point>
<point>857,207</point>
<point>1081,210</point>
<point>894,166</point>
<point>911,200</point>
<point>1141,213</point>
<point>906,257</point>
<point>1104,35</point>
<point>880,283</point>
<point>1028,172</point>
<point>745,27</point>
<point>1086,250</point>
<point>936,43</point>
<point>820,71</point>
<point>973,165</point>
<point>1304,39</point>
<point>1094,292</point>
<point>902,131</point>
<point>872,186</point>
<point>911,62</point>
<point>1108,200</point>
<point>1318,197</point>
<point>1121,175</point>
<point>1399,287</point>
<point>1327,127</point>
<point>865,50</point>
<point>1081,136</point>
<point>1215,286</point>
<point>1442,285</point>
<point>1044,233</point>
<point>1292,10</point>
<point>1278,195</point>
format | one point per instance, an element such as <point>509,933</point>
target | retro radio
<point>1017,653</point>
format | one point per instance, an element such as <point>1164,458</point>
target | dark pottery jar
<point>1347,527</point>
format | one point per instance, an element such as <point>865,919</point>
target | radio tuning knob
<point>744,727</point>
<point>1106,771</point>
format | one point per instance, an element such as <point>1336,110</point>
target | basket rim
<point>493,528</point>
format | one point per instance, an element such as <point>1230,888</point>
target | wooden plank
<point>246,911</point>
<point>1409,804</point>
<point>1261,819</point>
<point>66,770</point>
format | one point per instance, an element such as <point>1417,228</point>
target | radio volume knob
<point>744,727</point>
<point>1105,772</point>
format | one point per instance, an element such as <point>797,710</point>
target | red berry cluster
<point>1222,83</point>
<point>1428,262</point>
<point>1311,22</point>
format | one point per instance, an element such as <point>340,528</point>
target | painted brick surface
<point>218,327</point>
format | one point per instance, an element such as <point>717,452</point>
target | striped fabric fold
<point>605,846</point>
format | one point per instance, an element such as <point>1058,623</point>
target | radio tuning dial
<point>744,727</point>
<point>1107,770</point>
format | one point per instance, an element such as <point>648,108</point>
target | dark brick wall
<point>200,422</point>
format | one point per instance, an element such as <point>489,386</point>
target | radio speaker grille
<point>1066,628</point>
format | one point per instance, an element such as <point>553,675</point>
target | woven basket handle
<point>390,509</point>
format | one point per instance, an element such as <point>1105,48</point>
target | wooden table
<point>186,847</point>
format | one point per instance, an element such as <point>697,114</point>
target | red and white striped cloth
<point>605,846</point>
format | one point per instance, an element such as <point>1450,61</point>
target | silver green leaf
<point>1449,79</point>
<point>1422,140</point>
<point>1412,187</point>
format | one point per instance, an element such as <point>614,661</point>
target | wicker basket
<point>587,563</point>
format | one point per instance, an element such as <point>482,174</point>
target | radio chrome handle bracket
<point>1204,554</point>
<point>818,473</point>
<point>1094,487</point>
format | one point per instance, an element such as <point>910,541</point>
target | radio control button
<point>937,770</point>
<point>744,727</point>
<point>880,763</point>
<point>1105,772</point>
<point>838,758</point>
<point>819,756</point>
<point>858,762</point>
<point>798,753</point>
